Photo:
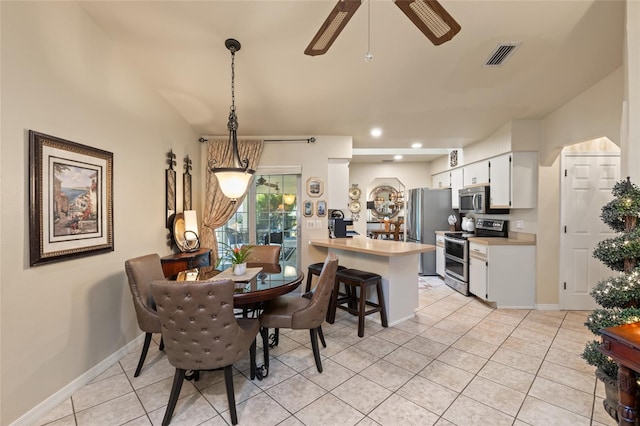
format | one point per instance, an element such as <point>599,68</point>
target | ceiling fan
<point>428,15</point>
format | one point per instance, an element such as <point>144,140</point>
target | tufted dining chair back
<point>302,312</point>
<point>201,332</point>
<point>141,271</point>
<point>267,257</point>
<point>313,315</point>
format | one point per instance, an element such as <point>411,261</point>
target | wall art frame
<point>321,208</point>
<point>170,185</point>
<point>315,187</point>
<point>70,200</point>
<point>307,210</point>
<point>186,184</point>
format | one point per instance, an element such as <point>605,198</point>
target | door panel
<point>585,189</point>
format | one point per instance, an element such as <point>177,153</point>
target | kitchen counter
<point>495,241</point>
<point>395,261</point>
<point>387,248</point>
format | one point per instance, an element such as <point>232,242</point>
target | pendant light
<point>233,180</point>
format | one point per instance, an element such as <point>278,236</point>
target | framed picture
<point>315,187</point>
<point>308,208</point>
<point>70,200</point>
<point>321,207</point>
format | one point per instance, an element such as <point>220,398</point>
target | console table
<point>622,344</point>
<point>179,262</point>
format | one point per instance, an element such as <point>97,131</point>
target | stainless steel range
<point>456,251</point>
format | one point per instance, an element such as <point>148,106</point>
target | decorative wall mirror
<point>385,202</point>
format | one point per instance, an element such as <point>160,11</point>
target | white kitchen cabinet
<point>440,254</point>
<point>441,180</point>
<point>503,274</point>
<point>456,185</point>
<point>476,174</point>
<point>513,180</point>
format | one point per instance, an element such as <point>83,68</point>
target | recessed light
<point>376,132</point>
<point>416,145</point>
<point>397,157</point>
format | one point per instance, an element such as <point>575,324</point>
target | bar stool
<point>358,279</point>
<point>315,269</point>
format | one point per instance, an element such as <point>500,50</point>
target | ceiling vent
<point>501,53</point>
<point>387,161</point>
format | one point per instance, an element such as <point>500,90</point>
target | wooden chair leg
<point>231,398</point>
<point>143,355</point>
<point>309,279</point>
<point>178,378</point>
<point>383,309</point>
<point>333,305</point>
<point>361,310</point>
<point>321,335</point>
<point>316,350</point>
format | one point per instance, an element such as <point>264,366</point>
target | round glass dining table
<point>263,286</point>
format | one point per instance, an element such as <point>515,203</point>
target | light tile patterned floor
<point>458,362</point>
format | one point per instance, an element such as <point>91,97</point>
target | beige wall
<point>62,76</point>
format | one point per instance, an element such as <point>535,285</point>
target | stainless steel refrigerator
<point>427,211</point>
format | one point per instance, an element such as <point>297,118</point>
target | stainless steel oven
<point>456,251</point>
<point>456,262</point>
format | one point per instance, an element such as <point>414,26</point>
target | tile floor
<point>458,362</point>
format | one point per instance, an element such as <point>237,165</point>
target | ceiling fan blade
<point>335,22</point>
<point>430,18</point>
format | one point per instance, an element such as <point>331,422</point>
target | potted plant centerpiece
<point>238,257</point>
<point>619,296</point>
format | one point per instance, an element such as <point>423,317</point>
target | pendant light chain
<point>233,79</point>
<point>369,56</point>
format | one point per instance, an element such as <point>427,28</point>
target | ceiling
<point>441,96</point>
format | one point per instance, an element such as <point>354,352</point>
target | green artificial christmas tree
<point>619,295</point>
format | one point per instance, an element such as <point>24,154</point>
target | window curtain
<point>218,208</point>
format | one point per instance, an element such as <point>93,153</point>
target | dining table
<point>258,286</point>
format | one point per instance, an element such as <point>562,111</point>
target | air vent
<point>501,53</point>
<point>387,161</point>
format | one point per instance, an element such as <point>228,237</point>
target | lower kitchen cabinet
<point>503,274</point>
<point>440,254</point>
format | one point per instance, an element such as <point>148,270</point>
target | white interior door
<point>587,181</point>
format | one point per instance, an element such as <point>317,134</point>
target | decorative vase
<point>239,268</point>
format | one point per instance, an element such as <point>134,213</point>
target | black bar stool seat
<point>358,279</point>
<point>315,269</point>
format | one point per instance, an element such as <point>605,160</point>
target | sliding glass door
<point>268,215</point>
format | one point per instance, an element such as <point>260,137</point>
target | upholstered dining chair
<point>140,272</point>
<point>268,257</point>
<point>302,312</point>
<point>202,333</point>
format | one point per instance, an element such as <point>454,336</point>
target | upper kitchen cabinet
<point>476,174</point>
<point>513,178</point>
<point>441,180</point>
<point>456,185</point>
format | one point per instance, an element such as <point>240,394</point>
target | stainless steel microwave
<point>477,200</point>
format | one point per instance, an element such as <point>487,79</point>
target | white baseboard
<point>42,409</point>
<point>547,307</point>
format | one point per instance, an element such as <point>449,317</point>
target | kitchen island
<point>395,261</point>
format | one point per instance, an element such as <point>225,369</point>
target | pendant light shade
<point>234,180</point>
